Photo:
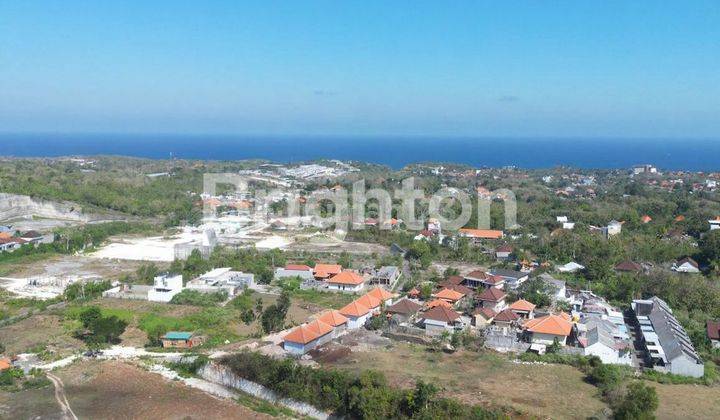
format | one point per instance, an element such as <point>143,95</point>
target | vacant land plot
<point>37,332</point>
<point>687,401</point>
<point>117,390</point>
<point>553,391</point>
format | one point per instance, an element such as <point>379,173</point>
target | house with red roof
<point>523,309</point>
<point>547,329</point>
<point>326,271</point>
<point>477,235</point>
<point>506,318</point>
<point>480,279</point>
<point>439,319</point>
<point>713,333</point>
<point>503,252</point>
<point>383,295</point>
<point>346,281</point>
<point>449,295</point>
<point>356,313</point>
<point>492,298</point>
<point>336,320</point>
<point>403,310</point>
<point>483,316</point>
<point>300,340</point>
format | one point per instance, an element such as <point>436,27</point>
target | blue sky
<point>495,68</point>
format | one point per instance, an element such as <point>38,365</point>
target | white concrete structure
<point>570,267</point>
<point>613,228</point>
<point>715,223</point>
<point>686,265</point>
<point>222,279</point>
<point>165,287</point>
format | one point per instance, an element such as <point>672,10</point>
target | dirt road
<point>61,398</point>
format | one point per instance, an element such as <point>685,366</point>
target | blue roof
<point>177,335</point>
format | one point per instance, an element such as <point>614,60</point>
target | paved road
<point>61,398</point>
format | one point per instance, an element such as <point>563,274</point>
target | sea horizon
<point>691,154</point>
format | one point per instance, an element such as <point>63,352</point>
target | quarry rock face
<point>14,206</point>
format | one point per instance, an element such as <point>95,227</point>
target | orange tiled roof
<point>382,294</point>
<point>522,305</point>
<point>354,309</point>
<point>319,327</point>
<point>482,233</point>
<point>5,364</point>
<point>439,302</point>
<point>329,269</point>
<point>368,301</point>
<point>413,292</point>
<point>347,277</point>
<point>332,318</point>
<point>302,335</point>
<point>447,294</point>
<point>550,324</point>
<point>297,267</point>
<point>646,219</point>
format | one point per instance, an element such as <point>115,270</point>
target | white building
<point>165,287</point>
<point>715,223</point>
<point>221,279</point>
<point>686,265</point>
<point>613,228</point>
<point>667,346</point>
<point>570,267</point>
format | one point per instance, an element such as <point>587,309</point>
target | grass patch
<point>324,299</point>
<point>259,405</point>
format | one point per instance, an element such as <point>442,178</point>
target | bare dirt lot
<point>39,330</point>
<point>552,391</point>
<point>687,401</point>
<point>117,390</point>
<point>65,265</point>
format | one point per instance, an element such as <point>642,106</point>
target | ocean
<point>396,152</point>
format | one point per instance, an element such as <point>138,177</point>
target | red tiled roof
<point>458,288</point>
<point>477,274</point>
<point>301,335</point>
<point>328,269</point>
<point>522,305</point>
<point>439,302</point>
<point>297,267</point>
<point>346,277</point>
<point>319,327</point>
<point>713,330</point>
<point>492,294</point>
<point>447,294</point>
<point>333,318</point>
<point>482,233</point>
<point>442,314</point>
<point>506,315</point>
<point>485,312</point>
<point>382,294</point>
<point>355,309</point>
<point>455,279</point>
<point>550,324</point>
<point>368,301</point>
<point>629,266</point>
<point>404,306</point>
